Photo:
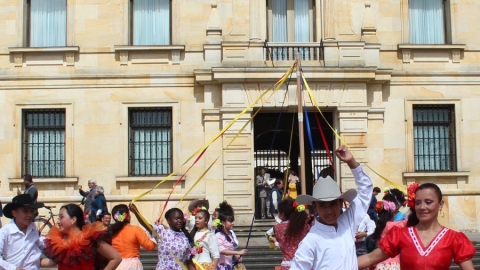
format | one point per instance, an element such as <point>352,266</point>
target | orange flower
<point>411,190</point>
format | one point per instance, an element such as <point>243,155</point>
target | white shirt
<point>366,225</point>
<point>327,248</point>
<point>19,249</point>
<point>210,247</point>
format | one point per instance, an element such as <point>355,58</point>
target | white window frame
<point>291,20</point>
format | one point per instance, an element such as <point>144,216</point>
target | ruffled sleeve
<point>75,248</point>
<point>463,249</point>
<point>390,244</point>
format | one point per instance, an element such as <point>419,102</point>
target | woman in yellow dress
<point>292,185</point>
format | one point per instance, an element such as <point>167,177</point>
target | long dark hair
<point>225,213</point>
<point>74,210</point>
<point>399,196</point>
<point>296,220</point>
<point>412,218</point>
<point>169,213</point>
<point>117,210</point>
<point>384,216</point>
<point>206,215</point>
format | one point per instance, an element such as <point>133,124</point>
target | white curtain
<point>152,153</point>
<point>302,21</point>
<point>432,143</point>
<point>427,21</point>
<point>46,152</point>
<point>151,22</point>
<point>279,20</point>
<point>48,23</point>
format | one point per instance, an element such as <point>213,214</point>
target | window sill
<point>446,180</point>
<point>155,54</point>
<point>128,179</point>
<point>435,174</point>
<point>431,52</point>
<point>43,56</point>
<point>56,180</point>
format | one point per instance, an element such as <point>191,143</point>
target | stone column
<point>329,19</point>
<point>257,20</point>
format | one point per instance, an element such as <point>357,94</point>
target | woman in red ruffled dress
<point>73,245</point>
<point>424,243</point>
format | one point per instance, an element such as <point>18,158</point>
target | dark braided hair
<point>118,225</point>
<point>169,213</point>
<point>206,215</point>
<point>296,220</point>
<point>384,216</point>
<point>225,213</point>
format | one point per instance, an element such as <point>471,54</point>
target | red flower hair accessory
<point>299,207</point>
<point>379,206</point>
<point>411,190</point>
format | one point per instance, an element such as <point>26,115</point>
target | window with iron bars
<point>150,141</point>
<point>434,138</point>
<point>43,144</point>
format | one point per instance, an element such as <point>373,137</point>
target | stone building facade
<point>115,80</point>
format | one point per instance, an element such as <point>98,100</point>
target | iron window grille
<point>434,138</point>
<point>43,144</point>
<point>150,141</point>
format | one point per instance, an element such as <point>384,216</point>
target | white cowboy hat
<point>326,190</point>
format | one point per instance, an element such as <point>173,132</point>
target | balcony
<point>286,51</point>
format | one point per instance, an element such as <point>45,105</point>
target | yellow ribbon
<point>310,93</point>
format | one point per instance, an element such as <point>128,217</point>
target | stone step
<point>264,258</point>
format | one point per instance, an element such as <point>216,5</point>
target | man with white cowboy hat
<point>330,244</point>
<point>20,245</point>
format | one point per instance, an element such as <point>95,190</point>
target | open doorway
<point>274,140</point>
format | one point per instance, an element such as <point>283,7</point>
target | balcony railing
<point>286,51</point>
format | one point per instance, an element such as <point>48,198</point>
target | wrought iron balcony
<point>286,51</point>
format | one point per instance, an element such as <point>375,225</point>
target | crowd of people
<point>313,231</point>
<point>87,239</point>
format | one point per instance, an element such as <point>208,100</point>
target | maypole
<point>300,126</point>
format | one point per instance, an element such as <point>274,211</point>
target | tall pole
<point>300,126</point>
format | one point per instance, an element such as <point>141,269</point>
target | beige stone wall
<point>215,67</point>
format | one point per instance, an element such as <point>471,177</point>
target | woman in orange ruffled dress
<point>73,245</point>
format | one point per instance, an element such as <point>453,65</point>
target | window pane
<point>150,141</point>
<point>434,138</point>
<point>151,22</point>
<point>48,23</point>
<point>427,25</point>
<point>44,143</point>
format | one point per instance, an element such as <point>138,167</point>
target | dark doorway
<point>274,140</point>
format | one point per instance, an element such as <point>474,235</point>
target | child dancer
<point>226,239</point>
<point>205,248</point>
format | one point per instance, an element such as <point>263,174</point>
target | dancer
<point>291,231</point>
<point>73,245</point>
<point>174,243</point>
<point>292,184</point>
<point>424,243</point>
<point>387,209</point>
<point>226,239</point>
<point>206,246</point>
<point>20,247</point>
<point>193,208</point>
<point>330,242</point>
<point>127,239</point>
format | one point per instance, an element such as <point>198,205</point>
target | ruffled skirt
<point>130,264</point>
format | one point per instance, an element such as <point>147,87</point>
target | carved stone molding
<point>412,53</point>
<point>168,54</point>
<point>44,56</point>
